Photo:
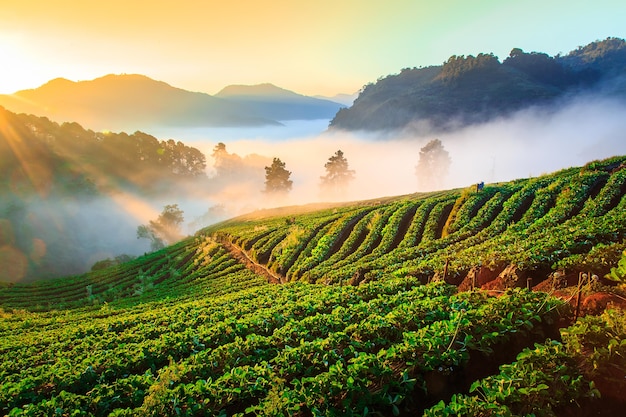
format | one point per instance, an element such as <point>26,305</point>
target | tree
<point>108,262</point>
<point>432,166</point>
<point>226,165</point>
<point>337,174</point>
<point>165,230</point>
<point>457,67</point>
<point>220,156</point>
<point>277,178</point>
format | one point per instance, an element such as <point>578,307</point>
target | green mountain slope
<point>194,330</point>
<point>474,89</point>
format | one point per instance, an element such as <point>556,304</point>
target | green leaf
<point>474,386</point>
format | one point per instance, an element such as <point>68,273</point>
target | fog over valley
<point>78,232</point>
<point>528,143</point>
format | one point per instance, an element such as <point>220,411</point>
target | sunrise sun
<point>19,69</point>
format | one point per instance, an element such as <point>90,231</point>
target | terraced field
<point>560,221</point>
<point>354,309</point>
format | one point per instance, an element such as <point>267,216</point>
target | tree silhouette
<point>226,165</point>
<point>165,230</point>
<point>433,166</point>
<point>337,174</point>
<point>277,178</point>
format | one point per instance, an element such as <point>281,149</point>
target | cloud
<point>528,143</point>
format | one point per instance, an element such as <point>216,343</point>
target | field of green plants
<point>368,318</point>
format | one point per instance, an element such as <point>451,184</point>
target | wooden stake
<point>529,283</point>
<point>578,289</point>
<point>445,270</point>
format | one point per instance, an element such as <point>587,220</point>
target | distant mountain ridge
<point>345,99</point>
<point>270,101</point>
<point>130,102</point>
<point>257,90</point>
<point>474,89</point>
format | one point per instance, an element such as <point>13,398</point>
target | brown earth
<point>242,256</point>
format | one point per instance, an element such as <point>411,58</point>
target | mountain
<point>129,103</point>
<point>442,304</point>
<point>270,101</point>
<point>342,98</point>
<point>136,102</point>
<point>474,89</point>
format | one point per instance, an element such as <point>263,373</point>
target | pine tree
<point>337,174</point>
<point>433,166</point>
<point>277,178</point>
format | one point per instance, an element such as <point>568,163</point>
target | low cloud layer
<point>529,143</point>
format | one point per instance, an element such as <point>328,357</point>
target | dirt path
<point>257,268</point>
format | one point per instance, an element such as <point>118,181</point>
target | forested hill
<point>468,89</point>
<point>69,151</point>
<point>57,183</point>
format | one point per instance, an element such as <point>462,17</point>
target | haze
<point>529,143</point>
<point>315,48</point>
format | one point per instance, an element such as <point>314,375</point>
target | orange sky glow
<point>310,46</point>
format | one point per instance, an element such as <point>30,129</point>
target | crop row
<point>539,223</point>
<point>552,377</point>
<point>503,223</point>
<point>313,343</point>
<point>198,264</point>
<point>121,343</point>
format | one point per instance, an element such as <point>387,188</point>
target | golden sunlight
<point>33,174</point>
<point>18,70</point>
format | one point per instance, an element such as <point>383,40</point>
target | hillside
<point>472,89</point>
<point>365,319</point>
<point>64,192</point>
<point>135,102</point>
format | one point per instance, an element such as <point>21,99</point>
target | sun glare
<point>18,69</point>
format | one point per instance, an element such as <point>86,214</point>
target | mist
<point>60,236</point>
<point>528,143</point>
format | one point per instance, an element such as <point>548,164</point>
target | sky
<point>313,47</point>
